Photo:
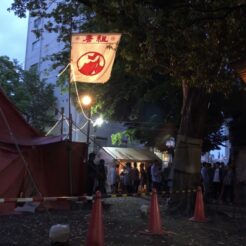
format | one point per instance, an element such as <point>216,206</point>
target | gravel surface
<point>123,224</point>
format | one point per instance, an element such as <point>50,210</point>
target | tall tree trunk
<point>187,158</point>
<point>238,160</point>
<point>238,149</point>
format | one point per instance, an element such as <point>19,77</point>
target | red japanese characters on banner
<point>92,57</point>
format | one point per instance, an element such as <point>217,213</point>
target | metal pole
<point>69,113</point>
<point>70,141</point>
<point>62,119</point>
<point>88,130</point>
<point>70,121</point>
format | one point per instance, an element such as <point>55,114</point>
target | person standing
<point>205,180</point>
<point>101,176</point>
<point>165,177</point>
<point>149,180</point>
<point>217,179</point>
<point>91,173</point>
<point>117,184</point>
<point>156,176</point>
<point>127,178</point>
<point>228,185</point>
<point>143,177</point>
<point>112,178</point>
<point>135,177</point>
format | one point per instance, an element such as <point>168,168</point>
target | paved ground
<point>123,224</point>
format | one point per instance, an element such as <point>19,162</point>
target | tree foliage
<point>164,44</point>
<point>32,96</point>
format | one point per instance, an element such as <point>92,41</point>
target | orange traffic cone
<point>154,224</point>
<point>199,215</point>
<point>95,235</point>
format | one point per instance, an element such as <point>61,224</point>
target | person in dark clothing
<point>149,179</point>
<point>156,176</point>
<point>228,185</point>
<point>135,177</point>
<point>91,173</point>
<point>127,178</point>
<point>205,180</point>
<point>165,177</point>
<point>217,180</point>
<point>101,176</point>
<point>143,177</point>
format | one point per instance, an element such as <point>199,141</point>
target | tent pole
<point>88,131</point>
<point>70,141</point>
<point>70,137</point>
<point>62,119</point>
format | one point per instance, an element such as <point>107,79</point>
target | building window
<point>37,23</point>
<point>35,44</point>
<point>34,67</point>
<point>56,112</point>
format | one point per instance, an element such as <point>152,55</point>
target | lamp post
<point>86,101</point>
<point>88,130</point>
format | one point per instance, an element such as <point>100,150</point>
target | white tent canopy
<point>127,154</point>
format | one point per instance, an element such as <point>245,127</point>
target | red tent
<point>22,148</point>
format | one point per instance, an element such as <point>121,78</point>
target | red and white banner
<point>92,56</point>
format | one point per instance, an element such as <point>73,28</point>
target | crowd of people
<point>217,179</point>
<point>126,177</point>
<point>218,182</point>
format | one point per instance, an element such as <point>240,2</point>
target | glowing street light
<point>98,122</point>
<point>86,100</point>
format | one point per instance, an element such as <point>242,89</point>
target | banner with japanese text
<point>92,56</point>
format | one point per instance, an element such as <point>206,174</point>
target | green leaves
<point>163,44</point>
<point>32,96</point>
<point>123,138</point>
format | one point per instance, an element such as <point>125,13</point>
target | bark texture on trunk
<point>187,158</point>
<point>240,165</point>
<point>187,154</point>
<point>239,160</point>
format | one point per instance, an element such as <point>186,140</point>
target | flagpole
<point>69,113</point>
<point>70,121</point>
